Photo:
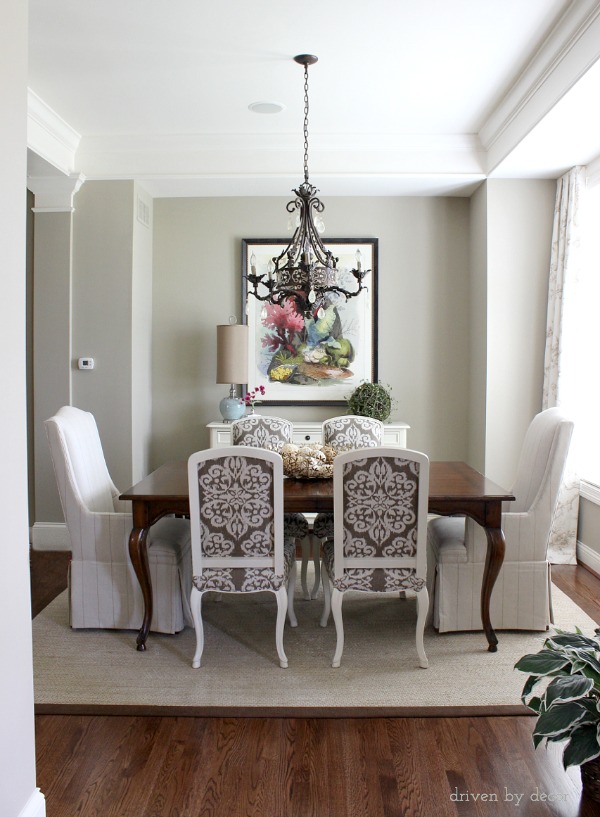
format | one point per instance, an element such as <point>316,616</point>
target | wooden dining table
<point>454,489</point>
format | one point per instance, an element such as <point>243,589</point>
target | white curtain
<point>560,339</point>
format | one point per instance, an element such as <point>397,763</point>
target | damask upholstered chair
<point>380,533</point>
<point>351,431</point>
<point>521,598</point>
<point>262,432</point>
<point>236,512</point>
<point>271,433</point>
<point>344,434</point>
<point>103,589</point>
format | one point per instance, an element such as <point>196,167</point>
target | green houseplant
<point>568,703</point>
<point>371,400</point>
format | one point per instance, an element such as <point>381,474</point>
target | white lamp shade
<point>232,353</point>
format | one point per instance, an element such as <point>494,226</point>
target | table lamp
<point>232,366</point>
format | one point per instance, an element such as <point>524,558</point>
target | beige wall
<point>511,232</point>
<point>461,318</point>
<point>51,345</point>
<point>588,533</point>
<point>423,310</point>
<point>519,235</point>
<point>477,356</point>
<point>141,336</point>
<point>589,524</point>
<point>102,315</point>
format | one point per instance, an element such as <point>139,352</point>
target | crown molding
<point>330,185</point>
<point>570,49</point>
<point>244,155</point>
<point>54,194</point>
<point>49,135</point>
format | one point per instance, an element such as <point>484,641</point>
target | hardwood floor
<point>123,766</point>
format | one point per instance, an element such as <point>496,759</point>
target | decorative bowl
<point>311,461</point>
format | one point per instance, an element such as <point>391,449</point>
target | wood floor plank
<point>148,766</point>
<point>581,585</point>
<point>48,570</point>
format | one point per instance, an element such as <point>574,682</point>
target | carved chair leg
<point>326,596</point>
<point>305,558</point>
<point>282,604</point>
<point>336,608</point>
<point>290,595</point>
<point>196,605</point>
<point>316,552</point>
<point>422,610</point>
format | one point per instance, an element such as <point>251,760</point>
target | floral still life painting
<point>321,356</point>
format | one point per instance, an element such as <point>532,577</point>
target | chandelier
<point>306,272</point>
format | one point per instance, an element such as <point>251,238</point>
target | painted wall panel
<point>423,320</point>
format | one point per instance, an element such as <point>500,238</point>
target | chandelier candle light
<point>305,272</point>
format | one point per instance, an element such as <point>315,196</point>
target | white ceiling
<point>409,97</point>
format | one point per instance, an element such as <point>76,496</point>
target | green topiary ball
<point>370,400</point>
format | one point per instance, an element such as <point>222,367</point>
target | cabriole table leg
<point>139,558</point>
<point>493,563</point>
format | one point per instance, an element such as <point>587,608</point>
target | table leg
<point>493,563</point>
<point>138,553</point>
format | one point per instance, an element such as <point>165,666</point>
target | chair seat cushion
<point>446,537</point>
<point>375,579</point>
<point>323,525</point>
<point>246,579</point>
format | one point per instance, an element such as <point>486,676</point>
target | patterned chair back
<point>380,519</point>
<point>236,514</point>
<point>262,432</point>
<point>352,431</point>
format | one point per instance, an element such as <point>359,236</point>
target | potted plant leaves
<point>371,400</point>
<point>566,672</point>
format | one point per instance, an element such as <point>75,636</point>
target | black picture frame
<point>358,319</point>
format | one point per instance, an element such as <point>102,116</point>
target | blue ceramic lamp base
<point>231,409</point>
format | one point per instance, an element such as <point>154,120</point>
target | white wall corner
<point>50,536</point>
<point>54,194</point>
<point>588,557</point>
<point>593,172</point>
<point>35,806</point>
<point>49,135</point>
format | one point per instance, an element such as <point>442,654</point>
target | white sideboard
<point>394,433</point>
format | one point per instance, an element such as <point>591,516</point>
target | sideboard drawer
<point>394,436</point>
<point>302,436</point>
<point>221,438</point>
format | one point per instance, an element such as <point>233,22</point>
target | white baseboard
<point>35,806</point>
<point>50,536</point>
<point>588,557</point>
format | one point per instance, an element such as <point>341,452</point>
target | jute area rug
<point>100,671</point>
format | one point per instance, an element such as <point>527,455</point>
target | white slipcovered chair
<point>103,589</point>
<point>236,512</point>
<point>521,598</point>
<point>380,532</point>
<point>344,433</point>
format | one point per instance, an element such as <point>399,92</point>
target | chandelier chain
<point>306,123</point>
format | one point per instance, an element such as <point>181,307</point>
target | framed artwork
<point>317,361</point>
